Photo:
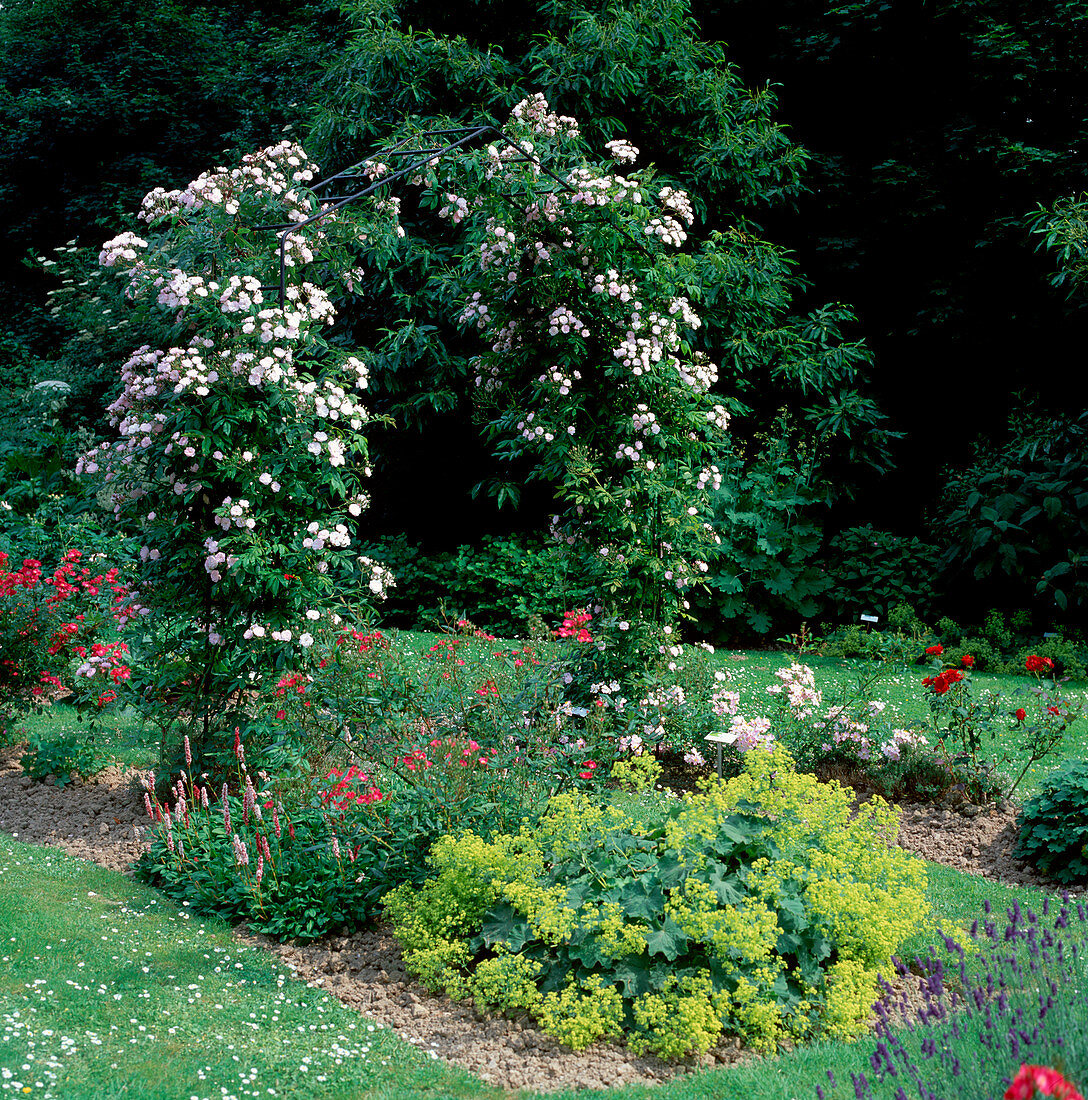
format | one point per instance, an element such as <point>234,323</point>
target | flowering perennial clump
<point>759,907</point>
<point>1011,990</point>
<point>294,868</point>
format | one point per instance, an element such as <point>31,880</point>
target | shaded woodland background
<point>902,339</point>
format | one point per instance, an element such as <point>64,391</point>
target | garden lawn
<point>107,990</point>
<point>118,736</point>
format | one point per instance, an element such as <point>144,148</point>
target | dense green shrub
<point>43,505</point>
<point>1014,519</point>
<point>758,907</point>
<point>1054,825</point>
<point>872,570</point>
<point>501,583</point>
<point>1070,656</point>
<point>900,640</point>
<point>1004,641</point>
<point>768,514</point>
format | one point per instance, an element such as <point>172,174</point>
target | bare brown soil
<point>100,819</point>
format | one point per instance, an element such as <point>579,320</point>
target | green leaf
<point>589,952</point>
<point>633,974</point>
<point>670,940</point>
<point>638,903</point>
<point>504,925</point>
<point>729,888</point>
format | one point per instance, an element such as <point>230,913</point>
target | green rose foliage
<point>757,907</point>
<point>639,68</point>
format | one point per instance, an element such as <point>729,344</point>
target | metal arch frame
<point>426,155</point>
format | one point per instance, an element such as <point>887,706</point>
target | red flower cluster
<point>1035,663</point>
<point>293,680</point>
<point>345,795</point>
<point>448,649</point>
<point>374,640</point>
<point>452,750</point>
<point>935,650</point>
<point>943,681</point>
<point>25,577</point>
<point>1034,1081</point>
<point>47,628</point>
<point>574,626</point>
<point>103,654</point>
<point>591,766</point>
<point>967,661</point>
<point>474,630</point>
<point>416,760</point>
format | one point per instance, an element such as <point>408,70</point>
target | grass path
<point>109,990</point>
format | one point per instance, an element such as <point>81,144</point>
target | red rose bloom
<point>935,650</point>
<point>943,681</point>
<point>1035,663</point>
<point>967,661</point>
<point>1021,714</point>
<point>1034,1081</point>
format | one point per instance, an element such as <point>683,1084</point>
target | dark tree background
<point>935,128</point>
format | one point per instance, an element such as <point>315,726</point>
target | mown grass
<point>109,990</point>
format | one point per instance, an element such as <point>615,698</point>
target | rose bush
<point>239,448</point>
<point>60,632</point>
<point>963,723</point>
